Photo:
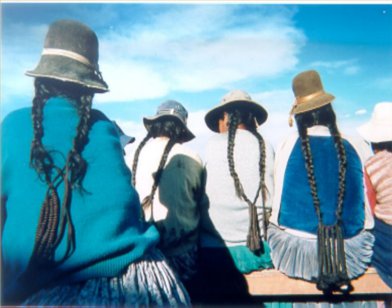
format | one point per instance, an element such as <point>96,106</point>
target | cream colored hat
<point>379,128</point>
<point>235,99</point>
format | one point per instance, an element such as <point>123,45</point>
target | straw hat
<point>71,54</point>
<point>309,92</point>
<point>171,110</point>
<point>379,128</point>
<point>235,99</point>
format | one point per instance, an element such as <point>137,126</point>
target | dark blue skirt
<point>382,251</point>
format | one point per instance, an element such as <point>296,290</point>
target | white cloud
<point>351,70</point>
<point>278,104</point>
<point>129,80</point>
<point>277,100</point>
<point>14,81</point>
<point>179,48</point>
<point>348,67</point>
<point>361,112</point>
<point>130,128</point>
<point>383,83</point>
<point>197,125</point>
<point>197,48</point>
<point>17,58</point>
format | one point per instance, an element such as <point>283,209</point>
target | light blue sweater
<point>109,233</point>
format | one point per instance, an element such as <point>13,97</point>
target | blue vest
<point>297,210</point>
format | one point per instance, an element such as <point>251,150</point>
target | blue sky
<point>195,53</point>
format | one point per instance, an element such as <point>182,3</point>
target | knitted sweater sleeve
<point>379,169</point>
<point>370,191</point>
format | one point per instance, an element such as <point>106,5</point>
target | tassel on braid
<point>46,233</point>
<point>332,268</point>
<point>262,185</point>
<point>330,242</point>
<point>253,238</point>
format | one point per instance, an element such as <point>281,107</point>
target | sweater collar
<point>318,130</point>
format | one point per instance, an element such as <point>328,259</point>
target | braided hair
<point>162,128</point>
<point>331,257</point>
<point>55,215</point>
<point>236,117</point>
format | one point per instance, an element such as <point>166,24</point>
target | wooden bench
<point>273,285</point>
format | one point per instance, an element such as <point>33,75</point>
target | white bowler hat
<point>379,128</point>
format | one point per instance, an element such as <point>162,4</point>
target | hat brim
<point>376,132</point>
<point>148,121</point>
<point>68,70</point>
<point>212,117</point>
<point>315,103</point>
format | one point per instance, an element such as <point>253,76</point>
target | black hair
<point>382,146</point>
<point>55,215</point>
<point>165,127</point>
<point>332,264</point>
<point>235,118</point>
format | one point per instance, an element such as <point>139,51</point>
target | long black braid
<point>236,117</point>
<point>262,185</point>
<point>55,215</point>
<point>164,128</point>
<point>331,256</point>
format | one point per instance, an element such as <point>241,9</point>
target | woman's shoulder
<point>382,158</point>
<point>16,122</point>
<point>98,116</point>
<point>18,114</point>
<point>101,124</point>
<point>361,147</point>
<point>185,150</point>
<point>287,143</point>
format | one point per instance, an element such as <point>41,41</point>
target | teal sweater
<point>109,234</point>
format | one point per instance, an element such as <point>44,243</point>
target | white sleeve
<point>364,152</point>
<point>281,158</point>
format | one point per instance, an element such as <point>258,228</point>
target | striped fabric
<point>379,169</point>
<point>147,283</point>
<point>296,256</point>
